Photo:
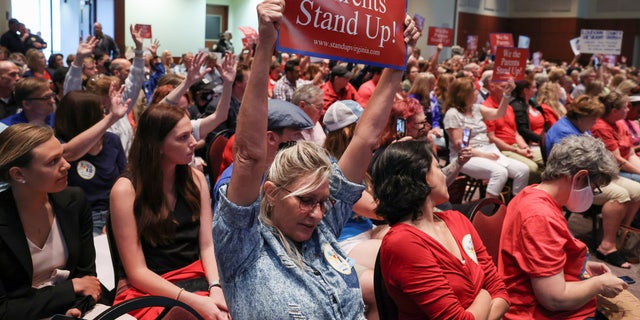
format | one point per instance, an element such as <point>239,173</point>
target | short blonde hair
<point>303,160</point>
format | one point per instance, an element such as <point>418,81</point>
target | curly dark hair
<point>399,180</point>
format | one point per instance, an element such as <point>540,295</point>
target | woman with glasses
<point>546,270</point>
<point>161,218</point>
<point>38,101</point>
<point>620,199</point>
<point>276,233</point>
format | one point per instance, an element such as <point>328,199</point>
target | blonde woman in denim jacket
<point>276,240</point>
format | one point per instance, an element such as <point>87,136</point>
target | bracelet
<point>179,293</point>
<point>215,283</point>
<point>173,103</point>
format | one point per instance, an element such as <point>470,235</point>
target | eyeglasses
<point>308,204</point>
<point>597,190</point>
<point>420,125</point>
<point>43,98</point>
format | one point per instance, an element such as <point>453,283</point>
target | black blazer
<point>18,300</point>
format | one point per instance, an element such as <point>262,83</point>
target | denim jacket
<point>259,279</point>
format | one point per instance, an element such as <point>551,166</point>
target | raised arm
<point>228,72</point>
<point>134,81</point>
<point>77,147</point>
<point>433,63</point>
<point>250,152</point>
<point>194,75</point>
<point>358,154</point>
<point>495,114</point>
<point>73,78</point>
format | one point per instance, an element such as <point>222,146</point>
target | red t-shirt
<point>365,91</point>
<point>505,128</point>
<point>536,242</point>
<point>425,280</point>
<point>536,121</point>
<point>614,137</point>
<point>550,116</point>
<point>227,155</point>
<point>330,96</point>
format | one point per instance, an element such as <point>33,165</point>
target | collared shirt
<point>284,89</point>
<point>561,129</point>
<point>255,267</point>
<point>21,118</point>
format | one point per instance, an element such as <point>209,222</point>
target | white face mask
<point>580,199</point>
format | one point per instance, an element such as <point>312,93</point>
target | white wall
<point>498,8</point>
<point>437,13</point>
<point>105,15</point>
<point>5,11</point>
<point>69,27</point>
<point>178,24</point>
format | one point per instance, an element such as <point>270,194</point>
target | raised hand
<point>270,13</point>
<point>137,38</point>
<point>196,73</point>
<point>118,107</point>
<point>411,34</point>
<point>508,86</point>
<point>228,68</point>
<point>86,48</point>
<point>153,48</point>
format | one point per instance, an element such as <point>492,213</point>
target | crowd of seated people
<point>316,180</point>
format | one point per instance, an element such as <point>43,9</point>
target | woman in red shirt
<point>612,130</point>
<point>434,264</point>
<point>547,271</point>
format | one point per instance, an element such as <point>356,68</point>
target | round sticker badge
<point>335,260</point>
<point>86,170</point>
<point>467,246</point>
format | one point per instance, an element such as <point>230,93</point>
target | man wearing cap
<point>309,98</point>
<point>338,87</point>
<point>285,123</point>
<point>11,40</point>
<point>285,86</point>
<point>202,93</point>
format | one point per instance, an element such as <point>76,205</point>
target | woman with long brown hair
<point>161,216</point>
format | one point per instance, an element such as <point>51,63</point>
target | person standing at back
<point>106,44</point>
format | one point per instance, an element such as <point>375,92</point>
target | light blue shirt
<point>261,281</point>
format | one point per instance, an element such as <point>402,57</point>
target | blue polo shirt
<point>561,129</point>
<point>21,118</point>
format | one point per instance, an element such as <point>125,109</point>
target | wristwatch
<point>215,283</point>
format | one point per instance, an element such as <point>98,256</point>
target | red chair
<point>487,217</point>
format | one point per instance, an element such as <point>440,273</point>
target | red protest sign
<point>369,32</point>
<point>510,62</point>
<point>440,35</point>
<point>500,40</point>
<point>472,43</point>
<point>249,33</point>
<point>145,30</point>
<point>610,59</point>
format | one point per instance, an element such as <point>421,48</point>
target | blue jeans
<point>99,220</point>
<point>633,176</point>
